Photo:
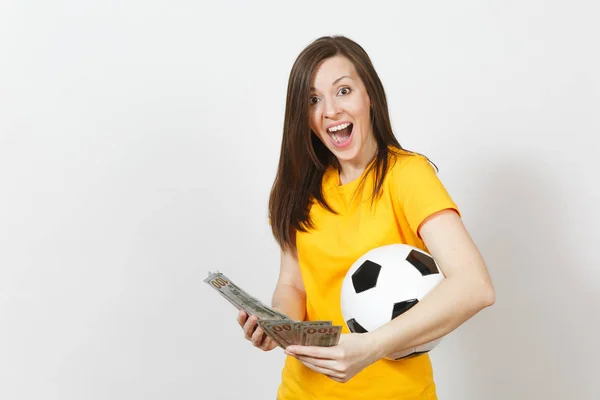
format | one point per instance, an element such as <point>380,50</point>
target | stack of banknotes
<point>279,327</point>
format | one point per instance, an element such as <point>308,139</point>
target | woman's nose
<point>331,109</point>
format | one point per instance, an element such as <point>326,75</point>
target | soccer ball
<point>384,283</point>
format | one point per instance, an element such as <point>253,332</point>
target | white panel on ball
<point>384,283</point>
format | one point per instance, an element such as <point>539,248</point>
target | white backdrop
<point>139,140</point>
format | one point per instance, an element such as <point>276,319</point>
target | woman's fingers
<point>254,333</point>
<point>242,317</point>
<point>258,337</point>
<point>250,326</point>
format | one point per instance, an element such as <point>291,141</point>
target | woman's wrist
<point>378,345</point>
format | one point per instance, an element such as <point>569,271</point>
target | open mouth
<point>341,134</point>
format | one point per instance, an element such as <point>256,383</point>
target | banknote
<point>240,299</point>
<point>279,327</point>
<point>283,329</point>
<point>290,331</point>
<point>323,336</point>
<point>273,334</point>
<point>297,328</point>
<point>308,333</point>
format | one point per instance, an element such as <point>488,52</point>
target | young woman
<point>344,186</point>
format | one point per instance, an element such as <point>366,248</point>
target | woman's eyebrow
<point>334,82</point>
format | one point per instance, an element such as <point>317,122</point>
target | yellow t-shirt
<point>411,192</point>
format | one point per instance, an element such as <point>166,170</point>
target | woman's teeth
<point>338,127</point>
<point>341,133</point>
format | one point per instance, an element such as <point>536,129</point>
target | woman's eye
<point>344,91</point>
<point>313,100</point>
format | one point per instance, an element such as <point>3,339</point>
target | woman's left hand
<point>353,353</point>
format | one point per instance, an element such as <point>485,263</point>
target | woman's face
<point>339,110</point>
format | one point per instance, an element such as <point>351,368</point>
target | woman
<point>344,185</point>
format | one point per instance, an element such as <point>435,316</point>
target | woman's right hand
<point>255,333</point>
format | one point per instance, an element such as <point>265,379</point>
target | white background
<point>139,141</point>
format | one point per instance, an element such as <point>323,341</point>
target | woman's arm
<point>289,296</point>
<point>466,290</point>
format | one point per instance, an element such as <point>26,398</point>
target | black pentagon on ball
<point>365,277</point>
<point>423,262</point>
<point>411,355</point>
<point>355,327</point>
<point>403,306</point>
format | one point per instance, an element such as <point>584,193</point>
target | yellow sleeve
<point>419,191</point>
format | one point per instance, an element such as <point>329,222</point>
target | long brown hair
<point>304,158</point>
